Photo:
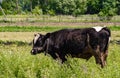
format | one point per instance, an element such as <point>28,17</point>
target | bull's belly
<point>82,55</point>
<point>86,54</point>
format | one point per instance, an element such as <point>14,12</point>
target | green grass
<point>31,28</point>
<point>27,29</point>
<point>43,28</point>
<point>115,28</point>
<point>17,62</point>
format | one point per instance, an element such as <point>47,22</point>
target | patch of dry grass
<point>115,35</point>
<point>18,36</point>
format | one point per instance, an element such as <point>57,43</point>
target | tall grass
<point>17,62</point>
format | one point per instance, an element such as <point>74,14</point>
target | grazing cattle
<point>79,43</point>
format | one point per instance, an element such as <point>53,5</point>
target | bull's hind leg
<point>105,57</point>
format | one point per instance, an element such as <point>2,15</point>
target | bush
<point>107,11</point>
<point>37,11</point>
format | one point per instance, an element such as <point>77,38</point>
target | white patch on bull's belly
<point>98,28</point>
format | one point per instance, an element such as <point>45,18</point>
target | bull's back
<point>59,38</point>
<point>69,40</point>
<point>60,35</point>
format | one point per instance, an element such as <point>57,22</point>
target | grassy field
<point>17,62</point>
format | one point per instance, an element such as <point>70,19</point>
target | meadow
<point>17,62</point>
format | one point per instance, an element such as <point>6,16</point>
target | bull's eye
<point>38,42</point>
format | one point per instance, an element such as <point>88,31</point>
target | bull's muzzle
<point>36,51</point>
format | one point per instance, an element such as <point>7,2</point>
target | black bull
<point>80,43</point>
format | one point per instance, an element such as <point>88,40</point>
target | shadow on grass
<point>19,43</point>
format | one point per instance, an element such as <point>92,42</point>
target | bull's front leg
<point>62,57</point>
<point>53,55</point>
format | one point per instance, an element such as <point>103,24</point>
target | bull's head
<point>39,43</point>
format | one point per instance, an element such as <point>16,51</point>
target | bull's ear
<point>47,35</point>
<point>38,34</point>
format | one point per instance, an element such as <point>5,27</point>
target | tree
<point>2,11</point>
<point>81,7</point>
<point>9,6</point>
<point>104,8</point>
<point>26,5</point>
<point>118,6</point>
<point>66,7</point>
<point>37,11</point>
<point>108,9</point>
<point>93,6</point>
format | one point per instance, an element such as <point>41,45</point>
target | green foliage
<point>93,6</point>
<point>104,8</point>
<point>37,11</point>
<point>118,6</point>
<point>9,6</point>
<point>17,62</point>
<point>81,7</point>
<point>51,12</point>
<point>108,10</point>
<point>67,7</point>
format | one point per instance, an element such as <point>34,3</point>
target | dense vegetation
<point>103,8</point>
<point>17,62</point>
